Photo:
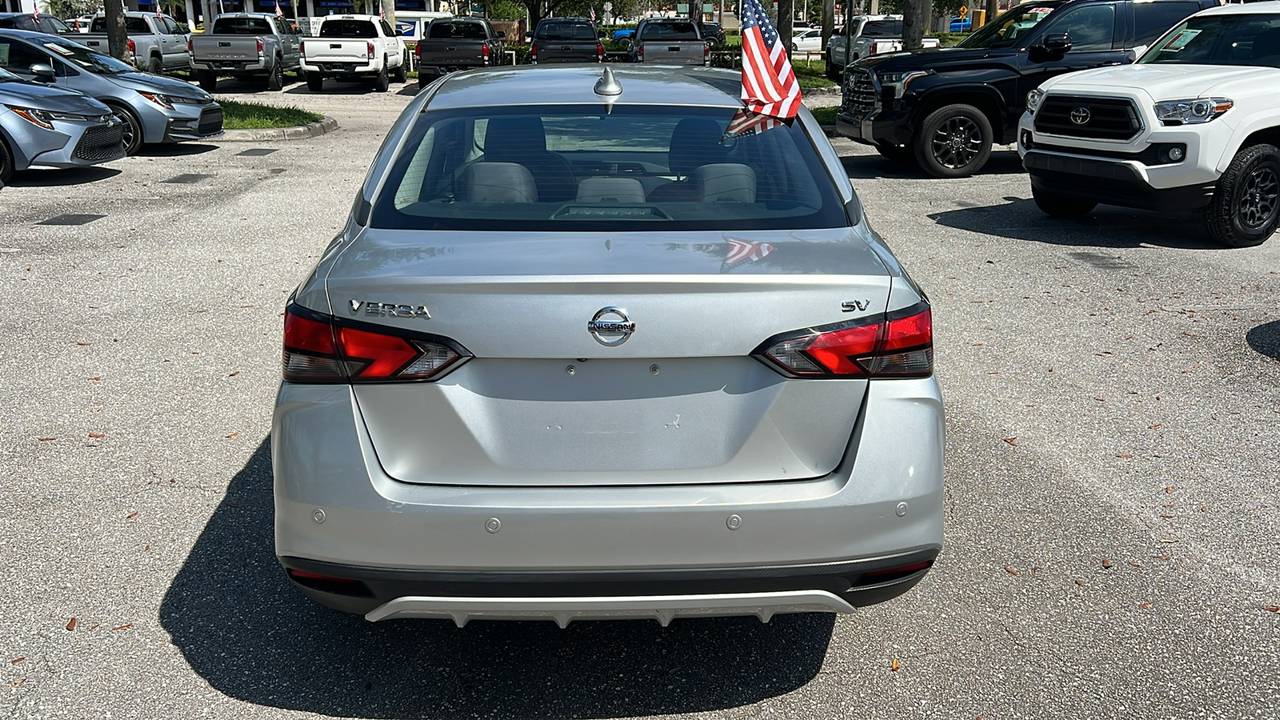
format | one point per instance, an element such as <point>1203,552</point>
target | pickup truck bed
<point>453,44</point>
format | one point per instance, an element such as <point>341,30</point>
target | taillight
<point>302,48</point>
<point>316,349</point>
<point>417,50</point>
<point>706,54</point>
<point>261,47</point>
<point>533,53</point>
<point>133,47</point>
<point>640,52</point>
<point>191,46</point>
<point>899,344</point>
<point>368,49</point>
<point>599,52</point>
<point>484,53</point>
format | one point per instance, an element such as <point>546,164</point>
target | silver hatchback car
<point>582,352</point>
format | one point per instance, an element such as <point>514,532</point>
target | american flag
<point>593,13</point>
<point>769,85</point>
<point>36,6</point>
<point>745,123</point>
<point>159,12</point>
<point>741,251</point>
<point>279,12</point>
<point>382,11</point>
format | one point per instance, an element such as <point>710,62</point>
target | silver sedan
<point>43,126</point>
<point>596,346</point>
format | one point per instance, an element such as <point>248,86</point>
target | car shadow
<point>1265,339</point>
<point>245,630</point>
<point>868,167</point>
<point>1105,226</point>
<point>355,87</point>
<point>176,149</point>
<point>61,178</point>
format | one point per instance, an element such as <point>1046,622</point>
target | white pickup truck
<point>354,47</point>
<point>865,35</point>
<point>1194,124</point>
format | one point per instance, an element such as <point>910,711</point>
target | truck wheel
<point>833,72</point>
<point>896,153</point>
<point>382,82</point>
<point>6,162</point>
<point>625,43</point>
<point>401,74</point>
<point>1245,208</point>
<point>315,82</point>
<point>207,79</point>
<point>132,129</point>
<point>1061,206</point>
<point>155,66</point>
<point>954,141</point>
<point>275,81</point>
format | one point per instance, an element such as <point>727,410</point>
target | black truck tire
<point>275,80</point>
<point>402,74</point>
<point>315,82</point>
<point>1245,208</point>
<point>381,81</point>
<point>208,80</point>
<point>954,141</point>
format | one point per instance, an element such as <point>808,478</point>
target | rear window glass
<point>463,30</point>
<point>241,26</point>
<point>348,29</point>
<point>578,168</point>
<point>669,31</point>
<point>564,31</point>
<point>882,28</point>
<point>132,26</point>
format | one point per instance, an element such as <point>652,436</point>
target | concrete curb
<point>298,132</point>
<point>821,91</point>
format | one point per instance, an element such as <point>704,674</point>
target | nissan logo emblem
<point>1081,115</point>
<point>610,326</point>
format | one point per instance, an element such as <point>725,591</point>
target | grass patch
<point>256,116</point>
<point>812,74</point>
<point>825,115</point>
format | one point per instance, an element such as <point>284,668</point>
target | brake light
<point>417,51</point>
<point>533,53</point>
<point>191,46</point>
<point>261,46</point>
<point>368,46</point>
<point>706,54</point>
<point>640,52</point>
<point>302,47</point>
<point>899,344</point>
<point>316,349</point>
<point>484,53</point>
<point>133,47</point>
<point>599,52</point>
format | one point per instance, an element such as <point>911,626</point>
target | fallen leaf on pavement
<point>15,661</point>
<point>125,626</point>
<point>894,665</point>
<point>82,344</point>
<point>1154,427</point>
<point>18,683</point>
<point>47,439</point>
<point>1106,563</point>
<point>232,435</point>
<point>234,374</point>
<point>1168,540</point>
<point>1079,582</point>
<point>1168,489</point>
<point>1011,440</point>
<point>1010,570</point>
<point>1125,456</point>
<point>1145,605</point>
<point>97,435</point>
<point>1135,564</point>
<point>71,624</point>
<point>131,515</point>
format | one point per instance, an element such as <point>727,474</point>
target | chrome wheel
<point>956,142</point>
<point>1259,199</point>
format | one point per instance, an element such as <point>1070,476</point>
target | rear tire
<point>954,141</point>
<point>1245,208</point>
<point>315,82</point>
<point>275,81</point>
<point>382,82</point>
<point>625,43</point>
<point>207,79</point>
<point>1061,206</point>
<point>155,66</point>
<point>833,72</point>
<point>401,74</point>
<point>6,162</point>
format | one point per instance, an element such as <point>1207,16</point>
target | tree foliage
<point>68,8</point>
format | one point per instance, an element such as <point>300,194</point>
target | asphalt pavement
<point>1112,521</point>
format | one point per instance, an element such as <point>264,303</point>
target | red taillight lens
<point>640,52</point>
<point>484,53</point>
<point>899,344</point>
<point>191,45</point>
<point>368,49</point>
<point>599,52</point>
<point>133,47</point>
<point>533,53</point>
<point>317,350</point>
<point>706,54</point>
<point>302,47</point>
<point>261,47</point>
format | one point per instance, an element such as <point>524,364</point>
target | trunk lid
<point>544,403</point>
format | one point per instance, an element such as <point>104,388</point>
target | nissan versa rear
<point>579,353</point>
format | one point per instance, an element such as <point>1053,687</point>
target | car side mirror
<point>1053,47</point>
<point>43,72</point>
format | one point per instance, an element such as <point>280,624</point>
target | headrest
<point>726,182</point>
<point>606,189</point>
<point>499,182</point>
<point>513,137</point>
<point>695,142</point>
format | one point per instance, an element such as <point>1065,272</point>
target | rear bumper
<point>339,514</point>
<point>339,68</point>
<point>231,67</point>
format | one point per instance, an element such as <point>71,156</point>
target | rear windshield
<point>564,31</point>
<point>464,30</point>
<point>579,168</point>
<point>882,28</point>
<point>241,26</point>
<point>18,22</point>
<point>132,26</point>
<point>1221,40</point>
<point>348,29</point>
<point>670,31</point>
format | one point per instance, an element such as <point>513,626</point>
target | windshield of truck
<point>1010,28</point>
<point>132,26</point>
<point>882,28</point>
<point>457,30</point>
<point>88,60</point>
<point>564,31</point>
<point>1220,40</point>
<point>583,168</point>
<point>662,32</point>
<point>348,29</point>
<point>241,26</point>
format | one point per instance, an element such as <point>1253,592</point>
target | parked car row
<point>66,105</point>
<point>1109,102</point>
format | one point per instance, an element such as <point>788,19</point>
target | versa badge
<point>374,309</point>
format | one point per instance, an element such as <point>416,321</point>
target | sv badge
<point>379,309</point>
<point>851,305</point>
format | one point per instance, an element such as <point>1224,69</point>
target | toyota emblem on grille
<point>610,326</point>
<point>1081,115</point>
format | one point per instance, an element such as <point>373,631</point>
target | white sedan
<point>807,41</point>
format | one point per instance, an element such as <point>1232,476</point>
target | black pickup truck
<point>457,43</point>
<point>944,108</point>
<point>565,40</point>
